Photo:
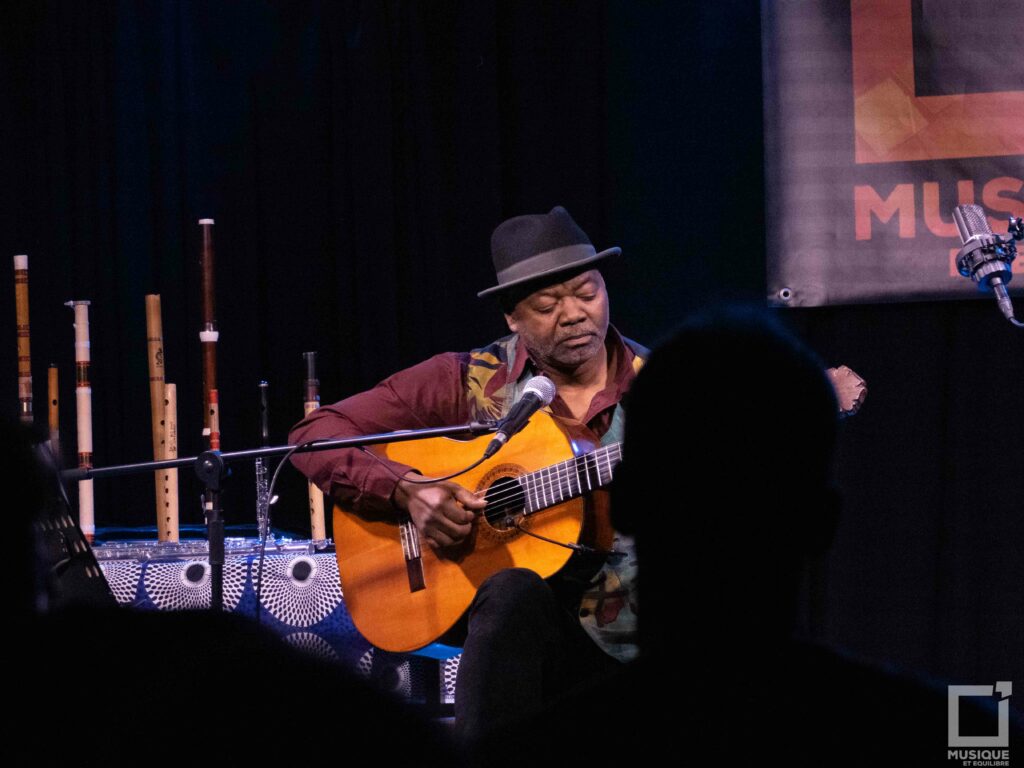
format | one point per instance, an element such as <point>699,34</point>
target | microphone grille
<point>971,221</point>
<point>542,387</point>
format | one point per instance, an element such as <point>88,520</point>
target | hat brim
<point>615,251</point>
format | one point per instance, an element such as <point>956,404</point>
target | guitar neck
<point>569,479</point>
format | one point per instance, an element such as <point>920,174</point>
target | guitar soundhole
<point>506,502</point>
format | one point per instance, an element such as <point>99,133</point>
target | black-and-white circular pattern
<point>123,578</point>
<point>314,645</point>
<point>393,674</point>
<point>186,585</point>
<point>450,672</point>
<point>365,664</point>
<point>300,591</point>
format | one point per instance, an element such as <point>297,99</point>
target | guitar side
<point>400,602</point>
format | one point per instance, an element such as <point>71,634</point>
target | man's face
<point>564,325</point>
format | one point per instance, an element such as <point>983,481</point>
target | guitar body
<point>402,597</point>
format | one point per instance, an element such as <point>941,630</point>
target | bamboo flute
<point>318,529</point>
<point>155,352</point>
<point>53,396</point>
<point>167,523</point>
<point>83,403</point>
<point>24,351</point>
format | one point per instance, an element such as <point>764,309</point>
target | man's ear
<point>512,324</point>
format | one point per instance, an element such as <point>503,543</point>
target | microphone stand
<point>212,469</point>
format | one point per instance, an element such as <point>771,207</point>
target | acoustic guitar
<point>402,596</point>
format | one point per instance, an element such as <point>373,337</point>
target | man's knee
<point>513,589</point>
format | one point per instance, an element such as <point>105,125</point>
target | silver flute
<point>262,485</point>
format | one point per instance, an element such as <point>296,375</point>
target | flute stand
<point>213,472</point>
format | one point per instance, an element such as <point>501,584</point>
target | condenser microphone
<point>539,391</point>
<point>985,257</point>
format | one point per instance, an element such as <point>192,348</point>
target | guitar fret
<point>560,482</point>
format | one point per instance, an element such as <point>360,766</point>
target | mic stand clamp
<point>986,258</point>
<point>213,472</point>
<point>986,255</point>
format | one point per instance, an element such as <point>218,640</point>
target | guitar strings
<point>542,488</point>
<point>546,487</point>
<point>558,479</point>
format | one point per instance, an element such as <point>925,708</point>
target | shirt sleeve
<point>427,395</point>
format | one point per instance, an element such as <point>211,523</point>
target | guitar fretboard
<point>569,479</point>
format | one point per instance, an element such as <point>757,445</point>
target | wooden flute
<point>311,402</point>
<point>163,405</point>
<point>167,522</point>
<point>155,351</point>
<point>53,392</point>
<point>83,403</point>
<point>24,352</point>
<point>208,336</point>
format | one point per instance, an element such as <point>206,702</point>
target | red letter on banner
<point>992,196</point>
<point>867,202</point>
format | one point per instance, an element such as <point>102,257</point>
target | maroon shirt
<point>432,394</point>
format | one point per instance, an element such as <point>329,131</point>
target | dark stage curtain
<point>357,155</point>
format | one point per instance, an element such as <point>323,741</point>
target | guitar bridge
<point>413,558</point>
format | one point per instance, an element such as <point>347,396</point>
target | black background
<point>356,157</point>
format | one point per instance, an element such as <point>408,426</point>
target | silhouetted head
<point>25,480</point>
<point>726,480</point>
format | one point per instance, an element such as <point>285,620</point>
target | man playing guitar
<point>526,639</point>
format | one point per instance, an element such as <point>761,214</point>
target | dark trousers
<point>523,648</point>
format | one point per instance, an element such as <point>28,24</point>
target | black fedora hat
<point>540,245</point>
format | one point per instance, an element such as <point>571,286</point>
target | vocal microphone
<point>539,391</point>
<point>985,256</point>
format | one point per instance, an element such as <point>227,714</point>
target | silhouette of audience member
<point>115,686</point>
<point>726,484</point>
<point>24,481</point>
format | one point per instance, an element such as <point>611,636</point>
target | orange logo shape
<point>893,125</point>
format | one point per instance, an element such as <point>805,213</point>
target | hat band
<point>545,262</point>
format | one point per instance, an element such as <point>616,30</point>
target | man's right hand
<point>442,512</point>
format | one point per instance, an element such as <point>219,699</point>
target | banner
<point>881,116</point>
